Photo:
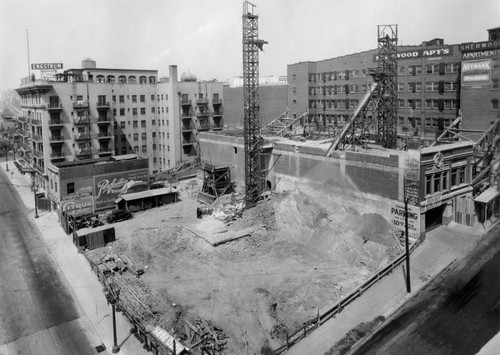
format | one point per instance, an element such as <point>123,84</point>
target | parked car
<point>118,215</point>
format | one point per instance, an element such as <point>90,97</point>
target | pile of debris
<point>110,264</point>
<point>203,334</point>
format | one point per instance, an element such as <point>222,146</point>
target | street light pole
<point>7,158</point>
<point>407,244</point>
<point>35,190</point>
<point>112,298</point>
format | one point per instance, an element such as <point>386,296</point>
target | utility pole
<point>35,190</point>
<point>112,298</point>
<point>407,244</point>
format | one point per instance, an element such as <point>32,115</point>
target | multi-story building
<point>98,112</point>
<point>480,76</point>
<point>428,88</point>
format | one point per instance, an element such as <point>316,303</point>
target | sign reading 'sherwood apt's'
<point>107,187</point>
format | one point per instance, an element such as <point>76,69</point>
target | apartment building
<point>91,112</point>
<point>428,88</point>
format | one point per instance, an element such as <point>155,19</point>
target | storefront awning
<point>487,195</point>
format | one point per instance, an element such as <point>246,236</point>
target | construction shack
<point>93,238</point>
<point>140,201</point>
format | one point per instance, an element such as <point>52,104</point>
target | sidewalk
<point>441,247</point>
<point>76,273</point>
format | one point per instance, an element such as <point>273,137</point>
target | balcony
<point>82,120</point>
<point>216,102</point>
<point>186,128</point>
<point>56,140</point>
<point>102,105</point>
<point>57,156</point>
<point>80,104</point>
<point>202,102</point>
<point>188,141</point>
<point>55,106</point>
<point>82,136</point>
<point>55,123</point>
<point>104,135</point>
<point>203,126</point>
<point>83,152</point>
<point>186,102</point>
<point>103,120</point>
<point>105,151</point>
<point>203,113</point>
<point>218,112</point>
<point>187,114</point>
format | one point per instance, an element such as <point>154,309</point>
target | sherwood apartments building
<point>96,112</point>
<point>435,82</point>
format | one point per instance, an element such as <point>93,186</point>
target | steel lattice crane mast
<point>376,115</point>
<point>254,181</point>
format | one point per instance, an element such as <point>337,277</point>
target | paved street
<point>457,313</point>
<point>37,312</point>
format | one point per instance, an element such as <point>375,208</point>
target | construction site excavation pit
<point>297,255</point>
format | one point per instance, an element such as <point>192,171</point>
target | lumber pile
<point>135,297</point>
<point>208,338</point>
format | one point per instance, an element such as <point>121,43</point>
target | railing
<point>80,104</point>
<point>82,120</point>
<point>203,113</point>
<point>320,319</point>
<point>216,102</point>
<point>103,120</point>
<point>83,152</point>
<point>218,112</point>
<point>185,102</point>
<point>55,123</point>
<point>57,155</point>
<point>82,136</point>
<point>102,104</point>
<point>56,138</point>
<point>203,126</point>
<point>104,135</point>
<point>186,128</point>
<point>202,101</point>
<point>188,141</point>
<point>187,114</point>
<point>105,151</point>
<point>55,106</point>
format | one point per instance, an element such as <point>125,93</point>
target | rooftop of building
<point>94,161</point>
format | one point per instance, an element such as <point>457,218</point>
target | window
<point>134,111</point>
<point>401,120</point>
<point>70,188</point>
<point>124,150</point>
<point>354,88</point>
<point>401,70</point>
<point>122,79</point>
<point>114,112</point>
<point>418,121</point>
<point>122,98</point>
<point>111,79</point>
<point>494,83</point>
<point>136,136</point>
<point>132,80</point>
<point>401,87</point>
<point>122,112</point>
<point>153,122</point>
<point>152,97</point>
<point>401,103</point>
<point>123,138</point>
<point>450,86</point>
<point>428,122</point>
<point>142,98</point>
<point>152,110</point>
<point>143,123</point>
<point>143,110</point>
<point>134,98</point>
<point>100,79</point>
<point>431,86</point>
<point>144,149</point>
<point>494,104</point>
<point>134,124</point>
<point>143,80</point>
<point>451,68</point>
<point>122,125</point>
<point>136,149</point>
<point>432,68</point>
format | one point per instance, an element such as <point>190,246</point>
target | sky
<point>203,37</point>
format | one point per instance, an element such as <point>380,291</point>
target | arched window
<point>111,79</point>
<point>122,79</point>
<point>152,79</point>
<point>100,79</point>
<point>132,80</point>
<point>143,80</point>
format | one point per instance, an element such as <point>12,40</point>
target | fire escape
<point>254,180</point>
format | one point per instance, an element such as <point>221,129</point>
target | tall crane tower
<point>386,94</point>
<point>254,180</point>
